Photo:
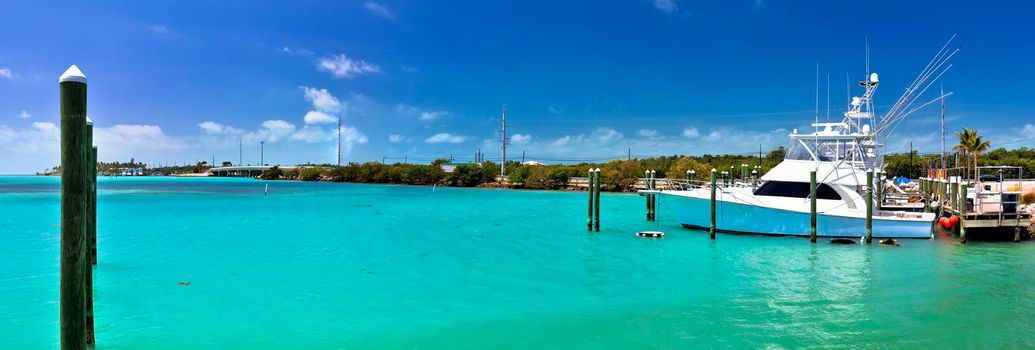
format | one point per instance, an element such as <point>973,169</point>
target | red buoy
<point>945,222</point>
<point>954,220</point>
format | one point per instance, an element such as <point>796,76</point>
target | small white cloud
<point>322,100</point>
<point>561,142</point>
<point>6,73</point>
<point>312,134</point>
<point>135,137</point>
<point>296,51</point>
<point>605,135</point>
<point>713,136</point>
<point>342,66</point>
<point>396,138</point>
<point>24,115</point>
<point>1028,130</point>
<point>157,29</point>
<point>317,117</point>
<point>666,5</point>
<point>519,139</point>
<point>553,110</point>
<point>379,10</point>
<point>431,115</point>
<point>271,131</point>
<point>649,133</point>
<point>444,137</point>
<point>213,128</point>
<point>691,133</point>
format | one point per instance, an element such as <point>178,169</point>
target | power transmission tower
<point>338,151</point>
<point>503,142</point>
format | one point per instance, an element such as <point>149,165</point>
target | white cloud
<point>24,115</point>
<point>713,136</point>
<point>691,133</point>
<point>553,110</point>
<point>213,128</point>
<point>271,131</point>
<point>396,138</point>
<point>342,66</point>
<point>429,116</point>
<point>313,134</point>
<point>6,73</point>
<point>444,137</point>
<point>379,10</point>
<point>322,100</point>
<point>350,136</point>
<point>158,29</point>
<point>647,133</point>
<point>316,117</point>
<point>122,138</point>
<point>519,139</point>
<point>605,135</point>
<point>1028,131</point>
<point>561,142</point>
<point>666,5</point>
<point>296,51</point>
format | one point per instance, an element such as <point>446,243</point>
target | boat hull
<point>733,217</point>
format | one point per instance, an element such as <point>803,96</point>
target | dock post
<point>954,195</point>
<point>869,206</point>
<point>963,215</point>
<point>91,230</point>
<point>596,200</point>
<point>647,183</point>
<point>812,199</point>
<point>711,231</point>
<point>1016,234</point>
<point>589,189</point>
<point>690,177</point>
<point>74,196</point>
<point>744,172</point>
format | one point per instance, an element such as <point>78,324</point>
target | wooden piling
<point>963,215</point>
<point>1016,234</point>
<point>74,196</point>
<point>711,231</point>
<point>869,206</point>
<point>596,200</point>
<point>91,231</point>
<point>812,199</point>
<point>743,172</point>
<point>589,189</point>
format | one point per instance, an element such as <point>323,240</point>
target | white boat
<point>841,153</point>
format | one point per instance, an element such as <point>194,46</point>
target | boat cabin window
<point>796,190</point>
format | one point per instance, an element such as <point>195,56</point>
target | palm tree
<point>966,139</point>
<point>978,146</point>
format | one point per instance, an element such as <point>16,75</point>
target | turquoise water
<point>326,266</point>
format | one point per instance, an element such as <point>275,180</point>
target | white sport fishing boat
<point>841,153</point>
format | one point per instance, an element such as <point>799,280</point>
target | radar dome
<point>873,77</point>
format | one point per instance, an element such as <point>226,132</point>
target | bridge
<point>245,170</point>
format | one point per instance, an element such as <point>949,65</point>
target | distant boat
<point>840,153</point>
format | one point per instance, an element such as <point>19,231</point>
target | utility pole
<point>910,175</point>
<point>760,157</point>
<point>503,142</point>
<point>338,151</point>
<point>943,131</point>
<point>522,156</point>
<point>262,153</point>
<point>629,155</point>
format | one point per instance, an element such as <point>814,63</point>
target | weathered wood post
<point>91,229</point>
<point>690,177</point>
<point>647,186</point>
<point>754,178</point>
<point>1016,234</point>
<point>653,197</point>
<point>596,200</point>
<point>869,206</point>
<point>744,173</point>
<point>812,200</point>
<point>589,189</point>
<point>963,215</point>
<point>954,195</point>
<point>74,196</point>
<point>711,231</point>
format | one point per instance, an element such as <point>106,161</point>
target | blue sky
<point>180,82</point>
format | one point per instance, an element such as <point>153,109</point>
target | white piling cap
<point>89,121</point>
<point>713,170</point>
<point>73,74</point>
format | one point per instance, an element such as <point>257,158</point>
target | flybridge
<point>859,138</point>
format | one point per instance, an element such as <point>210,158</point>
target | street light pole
<point>262,150</point>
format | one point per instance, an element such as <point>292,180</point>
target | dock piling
<point>812,199</point>
<point>91,230</point>
<point>963,215</point>
<point>711,231</point>
<point>74,196</point>
<point>596,199</point>
<point>589,189</point>
<point>869,206</point>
